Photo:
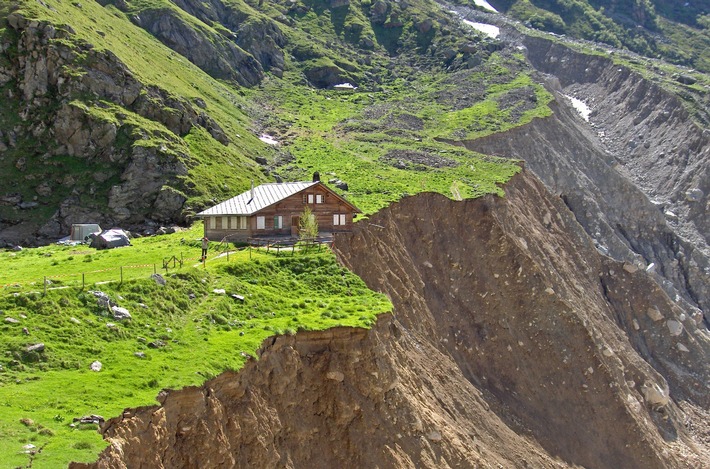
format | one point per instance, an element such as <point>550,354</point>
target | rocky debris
<point>74,320</point>
<point>219,291</point>
<point>25,331</point>
<point>156,344</point>
<point>648,136</point>
<point>10,320</point>
<point>139,354</point>
<point>95,366</point>
<point>120,313</point>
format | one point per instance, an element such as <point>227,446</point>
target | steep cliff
<point>635,175</point>
<point>513,342</point>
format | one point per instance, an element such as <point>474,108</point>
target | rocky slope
<point>513,342</point>
<point>636,175</point>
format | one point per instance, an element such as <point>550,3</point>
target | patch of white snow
<point>485,4</point>
<point>487,29</point>
<point>345,86</point>
<point>581,107</point>
<point>268,139</point>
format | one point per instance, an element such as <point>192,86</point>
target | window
<point>233,223</point>
<point>338,219</point>
<point>225,220</point>
<point>213,223</point>
<point>242,223</point>
<point>310,198</point>
<point>319,198</point>
<point>278,222</point>
<point>260,223</point>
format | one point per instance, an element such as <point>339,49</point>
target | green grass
<point>204,333</point>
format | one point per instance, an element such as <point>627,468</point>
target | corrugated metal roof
<point>264,195</point>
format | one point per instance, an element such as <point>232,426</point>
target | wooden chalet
<point>274,210</point>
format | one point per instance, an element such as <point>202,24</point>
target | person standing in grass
<point>205,245</point>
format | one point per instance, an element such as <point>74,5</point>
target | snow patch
<point>345,86</point>
<point>487,29</point>
<point>581,107</point>
<point>268,139</point>
<point>484,4</point>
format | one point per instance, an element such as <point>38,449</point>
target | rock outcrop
<point>512,342</point>
<point>95,152</point>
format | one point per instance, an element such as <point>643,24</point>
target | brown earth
<point>513,343</point>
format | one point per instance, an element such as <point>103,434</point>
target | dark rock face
<point>215,54</point>
<point>258,36</point>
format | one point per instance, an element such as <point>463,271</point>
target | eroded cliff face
<point>635,176</point>
<point>512,342</point>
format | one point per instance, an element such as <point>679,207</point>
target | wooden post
<point>83,281</point>
<point>121,276</point>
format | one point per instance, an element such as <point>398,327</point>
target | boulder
<point>95,366</point>
<point>35,348</point>
<point>159,279</point>
<point>120,313</point>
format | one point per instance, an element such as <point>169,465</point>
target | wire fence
<point>123,273</point>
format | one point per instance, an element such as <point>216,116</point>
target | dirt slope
<point>513,342</point>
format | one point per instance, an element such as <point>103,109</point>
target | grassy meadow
<point>179,334</point>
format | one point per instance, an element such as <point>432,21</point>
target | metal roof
<point>264,195</point>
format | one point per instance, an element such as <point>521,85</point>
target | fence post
<point>121,276</point>
<point>83,281</point>
<point>45,285</point>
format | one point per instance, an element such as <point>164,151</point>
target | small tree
<point>307,225</point>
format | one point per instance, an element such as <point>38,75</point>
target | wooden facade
<point>281,218</point>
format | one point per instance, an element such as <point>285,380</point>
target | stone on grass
<point>219,291</point>
<point>35,348</point>
<point>120,313</point>
<point>12,321</point>
<point>96,366</point>
<point>75,320</point>
<point>159,279</point>
<point>139,354</point>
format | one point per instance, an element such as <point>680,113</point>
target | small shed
<point>81,231</point>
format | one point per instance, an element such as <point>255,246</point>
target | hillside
<point>535,188</point>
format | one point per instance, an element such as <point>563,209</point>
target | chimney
<point>252,189</point>
<point>316,177</point>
